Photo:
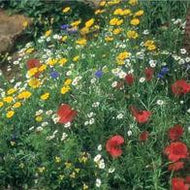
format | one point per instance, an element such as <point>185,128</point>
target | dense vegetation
<point>102,100</point>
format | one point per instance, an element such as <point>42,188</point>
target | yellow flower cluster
<point>64,38</point>
<point>133,2</point>
<point>102,3</point>
<point>81,41</point>
<point>135,22</point>
<point>139,13</point>
<point>121,57</point>
<point>33,71</point>
<point>75,23</point>
<point>41,169</point>
<point>17,105</point>
<point>113,2</point>
<point>11,91</point>
<point>88,24</point>
<point>150,45</point>
<point>122,12</point>
<point>24,95</point>
<point>39,118</point>
<point>84,30</point>
<point>25,24</point>
<point>34,83</point>
<point>116,22</point>
<point>99,11</point>
<point>109,39</point>
<point>45,96</point>
<point>66,9</point>
<point>83,158</point>
<point>10,114</point>
<point>117,31</point>
<point>8,99</point>
<point>1,104</point>
<point>57,159</point>
<point>42,68</point>
<point>62,61</point>
<point>66,88</point>
<point>48,33</point>
<point>29,50</point>
<point>131,34</point>
<point>76,58</point>
<point>52,62</point>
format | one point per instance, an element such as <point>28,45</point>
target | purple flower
<point>64,26</point>
<point>54,74</point>
<point>72,30</point>
<point>98,73</point>
<point>160,76</point>
<point>164,71</point>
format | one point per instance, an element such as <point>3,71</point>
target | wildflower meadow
<point>98,103</point>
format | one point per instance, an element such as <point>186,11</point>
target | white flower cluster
<point>91,119</point>
<point>99,161</point>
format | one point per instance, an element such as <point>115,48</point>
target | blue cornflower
<point>164,71</point>
<point>64,26</point>
<point>160,76</point>
<point>54,74</point>
<point>98,73</point>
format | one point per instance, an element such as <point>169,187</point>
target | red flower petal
<point>176,166</point>
<point>187,179</point>
<point>66,114</point>
<point>180,87</point>
<point>176,151</point>
<point>129,78</point>
<point>113,146</point>
<point>149,73</point>
<point>33,63</point>
<point>144,136</point>
<point>179,184</point>
<point>175,132</point>
<point>140,116</point>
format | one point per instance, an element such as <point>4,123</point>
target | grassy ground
<point>123,80</point>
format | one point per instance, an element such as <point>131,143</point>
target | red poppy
<point>176,166</point>
<point>176,151</point>
<point>144,136</point>
<point>187,180</point>
<point>149,73</point>
<point>140,116</point>
<point>129,78</point>
<point>180,87</point>
<point>113,146</point>
<point>175,132</point>
<point>179,184</point>
<point>31,63</point>
<point>66,114</point>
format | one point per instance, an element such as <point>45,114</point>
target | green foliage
<point>159,15</point>
<point>47,14</point>
<point>38,151</point>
